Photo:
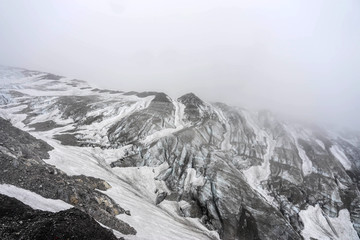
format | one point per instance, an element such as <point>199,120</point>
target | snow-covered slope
<point>187,169</point>
<point>33,200</point>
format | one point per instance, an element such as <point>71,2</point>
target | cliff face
<point>197,170</point>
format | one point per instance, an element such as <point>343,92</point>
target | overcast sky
<point>299,58</point>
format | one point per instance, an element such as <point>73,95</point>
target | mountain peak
<point>190,99</point>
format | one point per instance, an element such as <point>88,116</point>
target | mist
<point>299,59</point>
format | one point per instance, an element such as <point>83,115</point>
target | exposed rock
<point>160,197</point>
<point>19,221</point>
<point>44,126</point>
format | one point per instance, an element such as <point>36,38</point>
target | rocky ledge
<point>19,221</point>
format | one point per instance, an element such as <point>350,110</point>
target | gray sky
<point>300,58</point>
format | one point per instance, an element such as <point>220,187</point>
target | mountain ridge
<point>216,170</point>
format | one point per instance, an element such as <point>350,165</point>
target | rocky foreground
<point>19,221</point>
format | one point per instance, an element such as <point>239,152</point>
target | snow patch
<point>320,143</point>
<point>226,142</point>
<point>319,226</point>
<point>256,175</point>
<point>340,155</point>
<point>179,125</point>
<point>306,162</point>
<point>296,134</point>
<point>179,113</point>
<point>191,180</point>
<point>34,200</point>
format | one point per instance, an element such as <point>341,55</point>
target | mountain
<point>151,167</point>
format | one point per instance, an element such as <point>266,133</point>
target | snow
<point>306,164</point>
<point>15,119</point>
<point>296,134</point>
<point>34,200</point>
<point>132,188</point>
<point>112,113</point>
<point>226,143</point>
<point>113,107</point>
<point>12,76</point>
<point>256,175</point>
<point>160,134</point>
<point>340,155</point>
<point>64,92</point>
<point>320,143</point>
<point>179,113</point>
<point>179,124</point>
<point>191,180</point>
<point>151,221</point>
<point>319,226</point>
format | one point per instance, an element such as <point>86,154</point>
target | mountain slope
<point>20,221</point>
<point>190,169</point>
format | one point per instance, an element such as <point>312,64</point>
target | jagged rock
<point>160,197</point>
<point>19,221</point>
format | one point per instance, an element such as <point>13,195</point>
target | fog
<point>299,58</point>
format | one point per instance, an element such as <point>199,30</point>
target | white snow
<point>178,121</point>
<point>132,188</point>
<point>340,155</point>
<point>296,134</point>
<point>319,226</point>
<point>179,113</point>
<point>226,143</point>
<point>159,134</point>
<point>320,143</point>
<point>15,119</point>
<point>191,180</point>
<point>34,200</point>
<point>255,175</point>
<point>306,164</point>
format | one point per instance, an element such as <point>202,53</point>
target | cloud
<point>300,59</point>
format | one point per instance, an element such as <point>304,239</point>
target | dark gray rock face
<point>18,143</point>
<point>22,165</point>
<point>157,116</point>
<point>192,106</point>
<point>160,197</point>
<point>45,126</point>
<point>19,221</point>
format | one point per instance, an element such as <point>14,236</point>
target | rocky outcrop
<point>19,221</point>
<point>139,124</point>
